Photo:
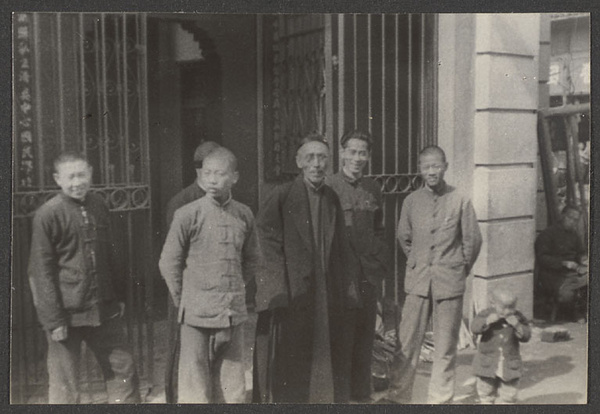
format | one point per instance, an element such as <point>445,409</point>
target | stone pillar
<point>487,123</point>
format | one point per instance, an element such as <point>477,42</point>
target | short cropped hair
<point>313,136</point>
<point>202,151</point>
<point>504,295</point>
<point>356,134</point>
<point>225,154</point>
<point>433,149</point>
<point>69,156</point>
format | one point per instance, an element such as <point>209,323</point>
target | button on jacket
<point>211,251</point>
<point>363,216</point>
<point>440,236</point>
<point>498,351</point>
<point>73,271</point>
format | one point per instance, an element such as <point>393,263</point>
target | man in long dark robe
<point>302,354</point>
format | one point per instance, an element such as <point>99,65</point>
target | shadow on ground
<point>541,369</point>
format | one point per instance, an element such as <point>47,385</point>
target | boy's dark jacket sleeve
<point>43,274</point>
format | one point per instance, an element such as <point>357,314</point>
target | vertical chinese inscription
<point>23,109</point>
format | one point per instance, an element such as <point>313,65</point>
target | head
<point>504,302</point>
<point>356,151</point>
<point>73,174</point>
<point>313,157</point>
<point>219,173</point>
<point>570,216</point>
<point>201,152</point>
<point>433,166</point>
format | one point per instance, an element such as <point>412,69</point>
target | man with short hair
<point>305,288</point>
<point>191,193</point>
<point>562,263</point>
<point>361,202</point>
<point>439,234</point>
<point>77,286</point>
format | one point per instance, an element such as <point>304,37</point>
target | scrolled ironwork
<point>398,183</point>
<point>117,198</point>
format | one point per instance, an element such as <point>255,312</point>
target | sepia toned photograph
<point>371,209</point>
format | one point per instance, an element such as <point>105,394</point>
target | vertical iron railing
<point>386,76</point>
<point>86,82</point>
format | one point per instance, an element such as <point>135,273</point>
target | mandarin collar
<point>74,200</point>
<point>314,188</point>
<point>440,191</point>
<point>350,179</point>
<point>217,203</point>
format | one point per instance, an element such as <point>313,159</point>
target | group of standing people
<point>315,255</point>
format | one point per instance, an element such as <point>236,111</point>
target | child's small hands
<point>512,320</point>
<point>492,317</point>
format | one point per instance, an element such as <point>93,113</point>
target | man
<point>361,202</point>
<point>562,263</point>
<point>305,288</point>
<point>78,291</point>
<point>439,234</point>
<point>191,193</point>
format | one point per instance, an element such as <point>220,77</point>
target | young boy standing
<point>77,289</point>
<point>497,363</point>
<point>209,255</point>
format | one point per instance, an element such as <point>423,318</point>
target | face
<point>432,168</point>
<point>312,158</point>
<point>504,308</point>
<point>218,177</point>
<point>74,178</point>
<point>355,155</point>
<point>571,219</point>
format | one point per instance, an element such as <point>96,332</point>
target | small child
<point>210,253</point>
<point>498,363</point>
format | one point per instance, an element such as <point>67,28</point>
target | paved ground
<point>554,373</point>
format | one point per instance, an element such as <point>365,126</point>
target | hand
<point>512,320</point>
<point>570,264</point>
<point>492,317</point>
<point>59,334</point>
<point>121,309</point>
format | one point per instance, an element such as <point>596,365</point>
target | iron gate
<point>80,84</point>
<point>332,73</point>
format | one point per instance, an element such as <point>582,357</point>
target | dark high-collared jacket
<point>361,203</point>
<point>73,267</point>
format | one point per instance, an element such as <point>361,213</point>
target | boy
<point>497,363</point>
<point>76,288</point>
<point>209,254</point>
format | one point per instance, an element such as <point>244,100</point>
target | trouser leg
<point>486,389</point>
<point>172,362</point>
<point>63,368</point>
<point>507,391</point>
<point>447,316</point>
<point>415,316</point>
<point>364,336</point>
<point>228,369</point>
<point>194,380</point>
<point>109,344</point>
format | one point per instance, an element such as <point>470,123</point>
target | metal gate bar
<point>384,78</point>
